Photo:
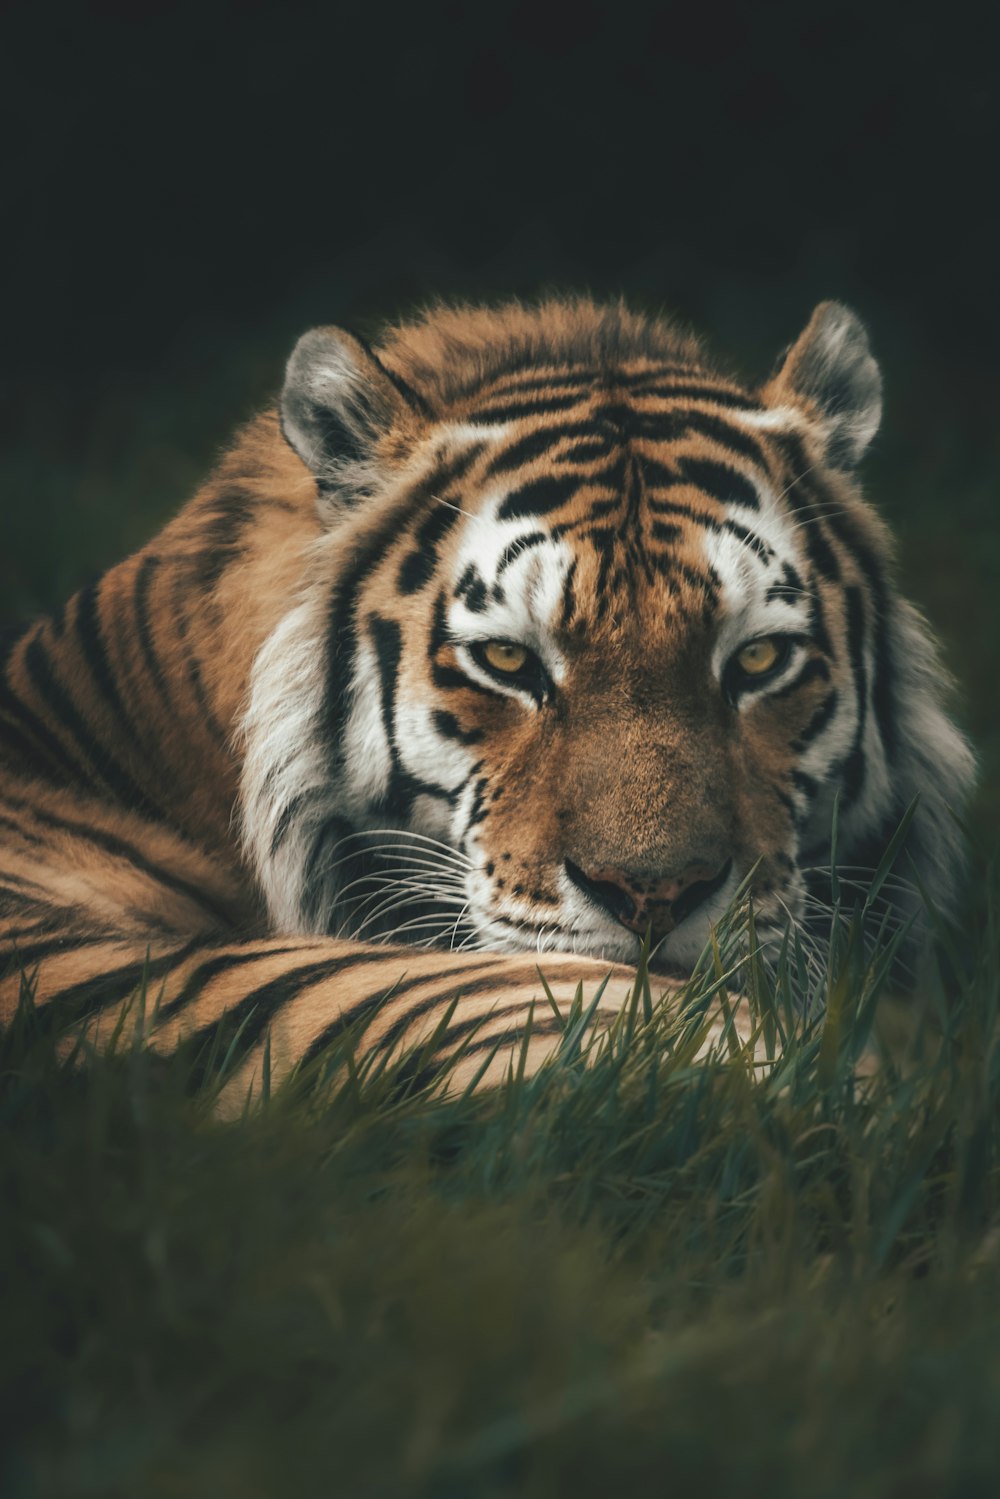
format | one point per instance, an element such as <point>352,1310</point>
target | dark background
<point>187,188</point>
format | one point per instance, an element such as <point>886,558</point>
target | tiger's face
<point>614,631</point>
<point>625,681</point>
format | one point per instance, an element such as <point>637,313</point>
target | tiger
<point>502,650</point>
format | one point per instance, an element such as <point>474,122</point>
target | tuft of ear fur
<point>337,405</point>
<point>830,370</point>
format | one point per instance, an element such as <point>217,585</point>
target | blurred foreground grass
<point>649,1274</point>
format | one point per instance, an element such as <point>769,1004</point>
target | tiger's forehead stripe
<point>601,460</point>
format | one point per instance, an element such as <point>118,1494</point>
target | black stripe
<point>94,651</point>
<point>143,582</point>
<point>203,975</point>
<point>66,941</point>
<point>22,882</point>
<point>584,452</point>
<point>449,727</point>
<point>250,1016</point>
<point>496,979</point>
<point>788,804</point>
<point>21,747</point>
<point>193,669</point>
<point>513,549</point>
<point>809,507</point>
<point>602,539</point>
<point>883,676</point>
<point>414,1076</point>
<point>472,589</point>
<point>23,905</point>
<point>403,786</point>
<point>815,667</point>
<point>719,480</point>
<point>539,497</point>
<point>342,626</point>
<point>114,776</point>
<point>388,640</point>
<point>440,999</point>
<point>410,395</point>
<point>819,551</point>
<point>596,510</point>
<point>854,765</point>
<point>817,625</point>
<point>625,423</point>
<point>545,1024</point>
<point>287,817</point>
<point>100,991</point>
<point>536,444</point>
<point>417,567</point>
<point>15,827</point>
<point>473,1023</point>
<point>789,589</point>
<point>19,717</point>
<point>122,849</point>
<point>817,723</point>
<point>316,893</point>
<point>569,594</point>
<point>707,582</point>
<point>555,379</point>
<point>883,681</point>
<point>223,518</point>
<point>521,410</point>
<point>753,541</point>
<point>699,517</point>
<point>658,475</point>
<point>449,678</point>
<point>697,392</point>
<point>718,430</point>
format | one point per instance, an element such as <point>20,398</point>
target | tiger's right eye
<point>505,656</point>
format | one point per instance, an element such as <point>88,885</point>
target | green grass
<point>633,1273</point>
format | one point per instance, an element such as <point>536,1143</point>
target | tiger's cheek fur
<point>519,831</point>
<point>767,765</point>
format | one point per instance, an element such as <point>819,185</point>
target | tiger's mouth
<point>613,943</point>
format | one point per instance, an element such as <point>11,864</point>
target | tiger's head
<point>592,636</point>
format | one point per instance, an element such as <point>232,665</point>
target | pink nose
<point>640,901</point>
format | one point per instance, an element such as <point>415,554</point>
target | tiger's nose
<point>639,900</point>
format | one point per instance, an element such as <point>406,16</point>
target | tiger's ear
<point>830,371</point>
<point>337,404</point>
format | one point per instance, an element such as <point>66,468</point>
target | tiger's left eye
<point>511,664</point>
<point>505,656</point>
<point>760,656</point>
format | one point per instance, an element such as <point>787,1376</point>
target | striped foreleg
<point>295,998</point>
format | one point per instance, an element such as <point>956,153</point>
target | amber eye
<point>759,656</point>
<point>508,662</point>
<point>504,656</point>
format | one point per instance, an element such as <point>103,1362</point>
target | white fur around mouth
<point>500,934</point>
